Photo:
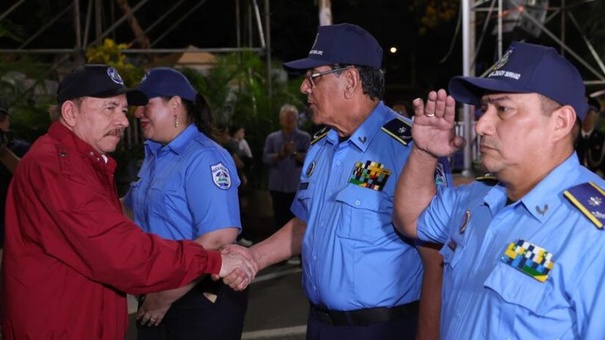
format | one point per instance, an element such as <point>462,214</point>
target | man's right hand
<point>238,267</point>
<point>433,129</point>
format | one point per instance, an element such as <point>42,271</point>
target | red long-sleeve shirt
<point>71,255</point>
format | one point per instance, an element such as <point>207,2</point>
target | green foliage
<point>110,53</point>
<point>24,86</point>
<point>236,87</point>
<point>431,13</point>
<point>237,90</point>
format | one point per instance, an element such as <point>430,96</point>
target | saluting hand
<point>433,129</point>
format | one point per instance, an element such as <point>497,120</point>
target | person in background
<point>284,153</point>
<point>187,190</point>
<point>590,145</point>
<point>11,151</point>
<point>400,108</point>
<point>71,255</point>
<point>241,151</point>
<point>362,278</point>
<point>238,133</point>
<point>523,247</point>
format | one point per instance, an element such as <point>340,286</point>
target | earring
<point>176,121</point>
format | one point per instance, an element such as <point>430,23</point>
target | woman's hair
<point>199,113</point>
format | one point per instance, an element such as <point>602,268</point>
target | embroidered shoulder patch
<point>320,134</point>
<point>589,199</point>
<point>399,129</point>
<point>440,177</point>
<point>220,176</point>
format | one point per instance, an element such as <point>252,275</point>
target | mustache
<point>116,132</point>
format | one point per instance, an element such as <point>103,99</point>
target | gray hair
<point>287,108</point>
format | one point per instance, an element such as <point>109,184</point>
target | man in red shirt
<point>71,256</point>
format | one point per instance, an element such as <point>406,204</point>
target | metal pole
<point>119,22</point>
<point>500,14</point>
<point>468,47</point>
<point>269,67</point>
<point>238,33</point>
<point>563,26</point>
<point>87,26</point>
<point>160,19</point>
<point>562,44</point>
<point>41,30</point>
<point>98,21</point>
<point>178,22</point>
<point>261,34</point>
<point>78,29</point>
<point>8,11</point>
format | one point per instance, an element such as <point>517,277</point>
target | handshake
<point>238,268</point>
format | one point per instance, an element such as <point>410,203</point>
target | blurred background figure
<point>590,143</point>
<point>400,108</point>
<point>238,134</point>
<point>11,151</point>
<point>284,154</point>
<point>242,155</point>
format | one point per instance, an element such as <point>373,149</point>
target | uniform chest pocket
<point>366,214</point>
<point>165,194</point>
<point>522,290</point>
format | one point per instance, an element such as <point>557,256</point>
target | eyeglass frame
<point>337,68</point>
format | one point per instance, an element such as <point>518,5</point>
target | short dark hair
<point>372,80</point>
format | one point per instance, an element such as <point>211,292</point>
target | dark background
<point>427,57</point>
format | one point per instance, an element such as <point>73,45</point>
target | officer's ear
<point>352,81</point>
<point>564,122</point>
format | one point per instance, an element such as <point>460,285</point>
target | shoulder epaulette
<point>589,198</point>
<point>399,129</point>
<point>320,134</point>
<point>487,178</point>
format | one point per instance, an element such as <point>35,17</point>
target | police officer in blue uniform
<point>523,249</point>
<point>362,278</point>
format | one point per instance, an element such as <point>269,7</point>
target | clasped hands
<point>287,149</point>
<point>239,267</point>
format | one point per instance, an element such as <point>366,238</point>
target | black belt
<point>364,317</point>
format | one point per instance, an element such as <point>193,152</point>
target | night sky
<point>422,61</point>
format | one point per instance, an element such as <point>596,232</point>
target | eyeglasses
<point>310,77</point>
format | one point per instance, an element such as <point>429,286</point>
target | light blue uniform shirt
<point>186,188</point>
<point>353,258</point>
<point>486,298</point>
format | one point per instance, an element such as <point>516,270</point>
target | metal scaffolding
<point>94,15</point>
<point>500,11</point>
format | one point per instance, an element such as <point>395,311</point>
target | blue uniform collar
<point>365,133</point>
<point>177,145</point>
<point>547,196</point>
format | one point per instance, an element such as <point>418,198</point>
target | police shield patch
<point>220,176</point>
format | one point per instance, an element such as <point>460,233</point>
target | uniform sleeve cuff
<point>214,262</point>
